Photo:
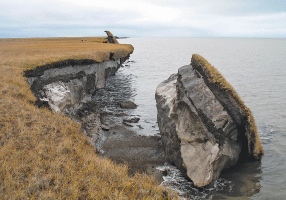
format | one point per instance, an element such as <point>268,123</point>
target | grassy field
<point>45,155</point>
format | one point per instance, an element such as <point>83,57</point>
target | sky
<point>143,18</point>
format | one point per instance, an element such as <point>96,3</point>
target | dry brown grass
<point>45,155</point>
<point>217,79</point>
<point>41,51</point>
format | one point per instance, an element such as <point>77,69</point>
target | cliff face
<point>68,86</point>
<point>64,87</point>
<point>205,127</point>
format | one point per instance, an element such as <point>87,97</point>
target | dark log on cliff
<point>111,38</point>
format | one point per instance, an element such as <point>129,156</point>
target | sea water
<point>256,68</point>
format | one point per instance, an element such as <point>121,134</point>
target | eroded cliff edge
<point>64,85</point>
<point>204,124</point>
<point>68,87</point>
<point>46,155</point>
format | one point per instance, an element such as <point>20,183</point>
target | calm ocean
<point>256,68</point>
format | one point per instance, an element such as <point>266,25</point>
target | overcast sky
<point>147,18</point>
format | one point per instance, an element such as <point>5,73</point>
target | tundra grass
<point>45,155</point>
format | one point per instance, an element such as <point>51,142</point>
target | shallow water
<point>256,68</point>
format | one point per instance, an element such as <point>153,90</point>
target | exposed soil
<point>141,153</point>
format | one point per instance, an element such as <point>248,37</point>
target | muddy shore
<point>140,153</point>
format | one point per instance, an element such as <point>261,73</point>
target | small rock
<point>104,127</point>
<point>140,126</point>
<point>126,124</point>
<point>164,172</point>
<point>157,135</point>
<point>128,105</point>
<point>132,120</point>
<point>106,113</point>
<point>120,114</point>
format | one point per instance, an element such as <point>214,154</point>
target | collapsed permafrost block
<point>204,124</point>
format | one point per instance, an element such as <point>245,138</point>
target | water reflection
<point>245,179</point>
<point>120,88</point>
<point>240,181</point>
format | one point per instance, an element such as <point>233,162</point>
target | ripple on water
<point>121,88</point>
<point>175,180</point>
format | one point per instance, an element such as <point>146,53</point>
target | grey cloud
<point>204,18</point>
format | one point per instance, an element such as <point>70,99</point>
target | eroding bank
<point>69,86</point>
<point>45,155</point>
<point>65,86</point>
